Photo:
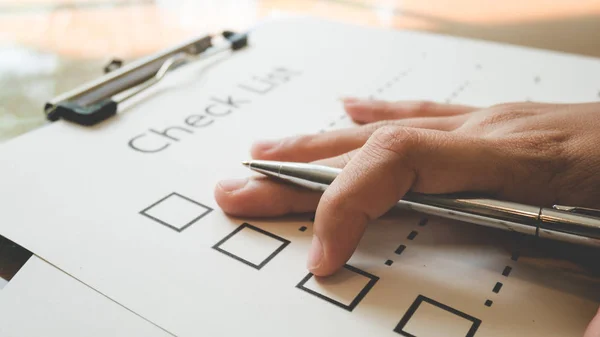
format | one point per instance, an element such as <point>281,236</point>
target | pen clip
<point>579,210</point>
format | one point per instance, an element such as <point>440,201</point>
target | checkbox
<point>176,211</point>
<point>427,318</point>
<point>251,245</point>
<point>345,289</point>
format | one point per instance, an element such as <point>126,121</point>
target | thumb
<point>392,162</point>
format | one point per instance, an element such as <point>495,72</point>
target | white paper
<point>43,301</point>
<point>75,195</point>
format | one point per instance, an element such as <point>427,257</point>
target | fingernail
<point>316,253</point>
<point>233,184</point>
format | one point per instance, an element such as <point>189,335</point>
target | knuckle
<point>506,112</point>
<point>424,107</point>
<point>540,160</point>
<point>369,129</point>
<point>393,139</point>
<point>296,142</point>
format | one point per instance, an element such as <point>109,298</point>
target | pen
<point>576,225</point>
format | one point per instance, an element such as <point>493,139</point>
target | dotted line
<point>457,92</point>
<point>333,123</point>
<point>391,82</point>
<point>381,89</point>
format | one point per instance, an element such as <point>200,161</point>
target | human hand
<point>541,154</point>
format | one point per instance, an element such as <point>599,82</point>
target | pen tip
<point>246,163</point>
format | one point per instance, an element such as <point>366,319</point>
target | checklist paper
<point>43,301</point>
<point>127,207</point>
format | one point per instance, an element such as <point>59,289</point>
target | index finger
<point>394,161</point>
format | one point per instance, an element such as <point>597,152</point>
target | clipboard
<point>99,99</point>
<point>143,228</point>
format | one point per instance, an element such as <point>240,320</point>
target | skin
<point>535,153</point>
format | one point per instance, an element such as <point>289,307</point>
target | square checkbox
<point>427,318</point>
<point>251,245</point>
<point>176,211</point>
<point>345,289</point>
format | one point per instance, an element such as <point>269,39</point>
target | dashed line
<point>505,272</point>
<point>515,256</point>
<point>411,236</point>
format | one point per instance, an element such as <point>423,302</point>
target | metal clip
<point>98,100</point>
<point>578,210</point>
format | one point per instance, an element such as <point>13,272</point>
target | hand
<point>535,153</point>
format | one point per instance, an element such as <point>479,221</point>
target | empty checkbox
<point>428,318</point>
<point>176,211</point>
<point>251,245</point>
<point>345,289</point>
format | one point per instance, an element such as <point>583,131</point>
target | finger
<point>393,161</point>
<point>593,329</point>
<point>306,148</point>
<point>368,111</point>
<point>260,196</point>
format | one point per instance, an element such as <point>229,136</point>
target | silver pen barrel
<point>505,215</point>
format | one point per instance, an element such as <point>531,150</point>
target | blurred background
<point>50,46</point>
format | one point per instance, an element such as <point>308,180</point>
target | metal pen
<point>563,223</point>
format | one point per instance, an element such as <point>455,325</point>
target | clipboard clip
<point>98,100</point>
